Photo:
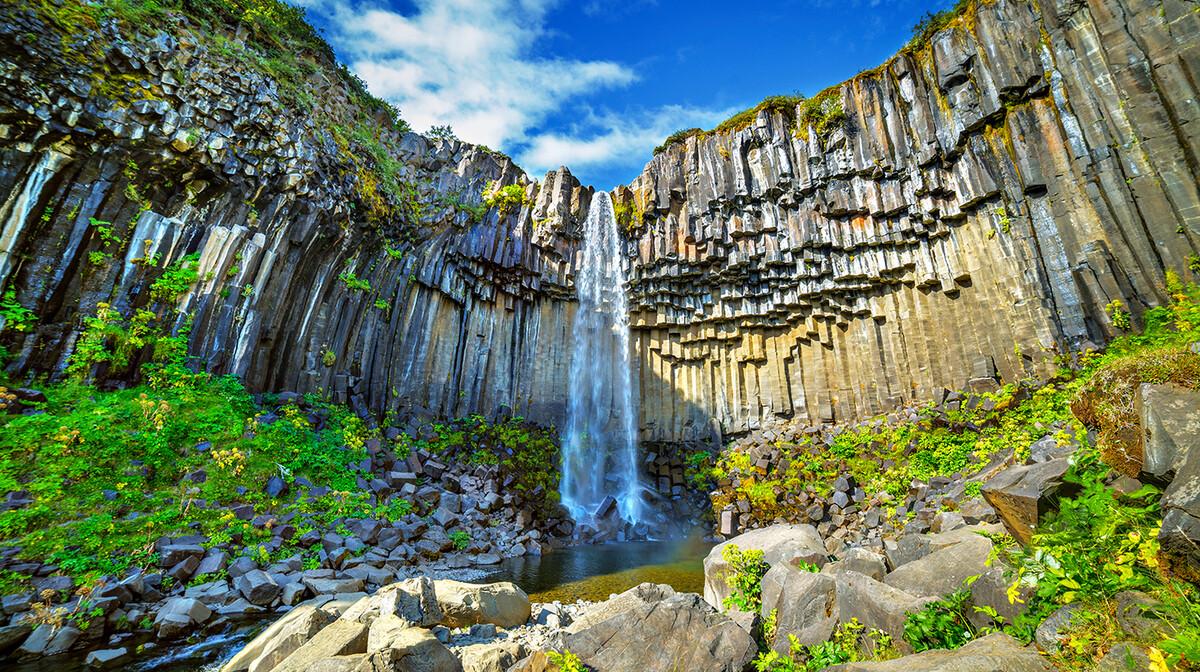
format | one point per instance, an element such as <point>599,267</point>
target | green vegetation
<point>527,451</point>
<point>566,661</point>
<point>943,624</point>
<point>629,216</point>
<point>461,539</point>
<point>822,112</point>
<point>782,104</point>
<point>508,200</point>
<point>91,456</point>
<point>932,22</point>
<point>16,317</point>
<point>441,133</point>
<point>354,283</point>
<point>678,137</point>
<point>746,569</point>
<point>1098,544</point>
<point>847,646</point>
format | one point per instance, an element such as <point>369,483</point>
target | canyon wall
<point>983,201</point>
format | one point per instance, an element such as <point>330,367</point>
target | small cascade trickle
<point>600,446</point>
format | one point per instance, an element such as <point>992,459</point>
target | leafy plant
<point>176,279</point>
<point>461,539</point>
<point>508,199</point>
<point>744,576</point>
<point>566,661</point>
<point>942,624</point>
<point>354,283</point>
<point>1117,313</point>
<point>441,133</point>
<point>16,317</point>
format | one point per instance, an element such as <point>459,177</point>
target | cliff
<point>971,210</point>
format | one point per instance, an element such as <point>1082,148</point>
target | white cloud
<point>467,63</point>
<point>472,64</point>
<point>609,139</point>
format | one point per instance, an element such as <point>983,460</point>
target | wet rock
<point>179,616</point>
<point>106,658</point>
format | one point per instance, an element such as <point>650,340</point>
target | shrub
<point>932,22</point>
<point>746,569</point>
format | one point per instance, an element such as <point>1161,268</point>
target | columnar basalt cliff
<point>982,202</point>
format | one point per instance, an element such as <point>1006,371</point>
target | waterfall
<point>600,447</point>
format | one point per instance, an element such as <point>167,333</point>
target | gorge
<point>971,213</point>
<point>266,351</point>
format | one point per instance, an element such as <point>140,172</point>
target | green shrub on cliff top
<point>932,22</point>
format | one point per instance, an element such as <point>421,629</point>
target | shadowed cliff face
<point>983,202</point>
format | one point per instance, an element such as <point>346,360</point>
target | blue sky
<point>596,84</point>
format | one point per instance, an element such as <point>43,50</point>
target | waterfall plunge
<point>600,447</point>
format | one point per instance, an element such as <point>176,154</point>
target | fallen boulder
<point>1021,495</point>
<point>466,604</point>
<point>413,600</point>
<point>875,604</point>
<point>638,596</point>
<point>804,603</point>
<point>340,638</point>
<point>492,657</point>
<point>682,632</point>
<point>943,572</point>
<point>790,544</point>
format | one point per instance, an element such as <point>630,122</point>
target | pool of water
<point>595,572</point>
<point>576,573</point>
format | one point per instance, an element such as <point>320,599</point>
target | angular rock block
<point>1021,495</point>
<point>681,632</point>
<point>780,544</point>
<point>804,604</point>
<point>467,604</point>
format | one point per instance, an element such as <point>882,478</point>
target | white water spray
<point>600,446</point>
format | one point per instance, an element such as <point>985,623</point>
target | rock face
<point>1170,420</point>
<point>978,205</point>
<point>681,632</point>
<point>805,605</point>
